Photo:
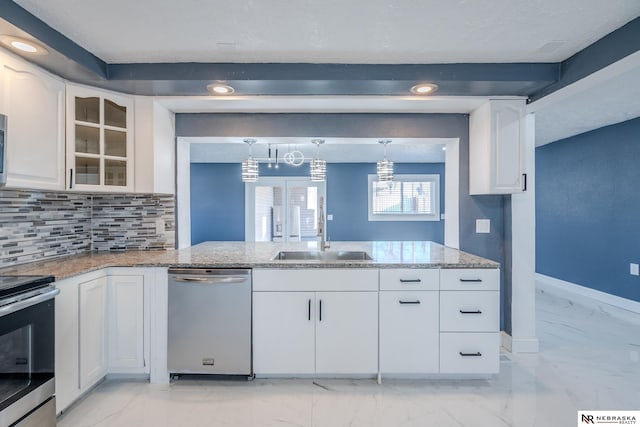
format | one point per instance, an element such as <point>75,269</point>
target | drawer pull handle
<point>410,280</point>
<point>471,280</point>
<point>476,354</point>
<point>409,302</point>
<point>470,311</point>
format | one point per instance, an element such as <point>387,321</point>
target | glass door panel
<point>88,109</point>
<point>114,114</point>
<point>115,143</point>
<point>115,172</point>
<point>87,139</point>
<point>87,171</point>
<point>283,209</point>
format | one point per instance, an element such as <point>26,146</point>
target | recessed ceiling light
<point>424,88</point>
<point>220,89</point>
<point>23,45</point>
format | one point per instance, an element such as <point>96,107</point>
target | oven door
<point>26,356</point>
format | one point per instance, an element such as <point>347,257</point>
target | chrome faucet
<point>321,226</point>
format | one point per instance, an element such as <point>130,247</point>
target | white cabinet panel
<point>283,332</point>
<point>496,147</point>
<point>409,279</point>
<point>473,311</point>
<point>317,279</point>
<point>347,333</point>
<point>409,332</point>
<point>470,279</point>
<point>126,324</point>
<point>66,350</point>
<point>469,353</point>
<point>34,103</point>
<point>93,331</point>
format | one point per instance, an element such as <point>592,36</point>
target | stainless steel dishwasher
<point>209,321</point>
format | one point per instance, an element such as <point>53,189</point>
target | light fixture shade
<point>250,170</point>
<point>385,170</point>
<point>318,170</point>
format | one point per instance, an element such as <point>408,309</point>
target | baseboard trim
<point>617,306</point>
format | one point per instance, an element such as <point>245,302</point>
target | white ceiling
<point>334,150</point>
<point>325,31</point>
<point>365,31</point>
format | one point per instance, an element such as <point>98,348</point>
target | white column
<point>183,177</point>
<point>523,222</point>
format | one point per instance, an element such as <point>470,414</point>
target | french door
<point>282,209</point>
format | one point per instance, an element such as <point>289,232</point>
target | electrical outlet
<point>634,270</point>
<point>329,217</point>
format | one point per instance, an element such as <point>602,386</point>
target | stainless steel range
<point>27,335</point>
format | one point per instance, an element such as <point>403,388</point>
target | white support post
<point>523,205</point>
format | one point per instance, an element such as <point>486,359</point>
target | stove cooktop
<point>11,285</point>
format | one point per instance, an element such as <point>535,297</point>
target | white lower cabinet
<point>126,324</point>
<point>101,327</point>
<point>469,352</point>
<point>92,331</point>
<point>347,333</point>
<point>303,333</point>
<point>284,332</point>
<point>317,331</point>
<point>409,332</point>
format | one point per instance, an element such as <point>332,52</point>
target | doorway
<point>282,209</point>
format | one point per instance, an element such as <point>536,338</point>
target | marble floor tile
<point>587,360</point>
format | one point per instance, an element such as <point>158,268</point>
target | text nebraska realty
<point>609,419</point>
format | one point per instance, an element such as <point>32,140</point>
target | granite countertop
<point>385,254</point>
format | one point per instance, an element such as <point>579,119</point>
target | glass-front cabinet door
<point>99,140</point>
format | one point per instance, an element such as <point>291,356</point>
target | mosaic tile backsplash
<point>37,225</point>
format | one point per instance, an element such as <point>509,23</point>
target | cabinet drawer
<point>470,279</point>
<point>317,279</point>
<point>409,279</point>
<point>474,311</point>
<point>469,353</point>
<point>409,332</point>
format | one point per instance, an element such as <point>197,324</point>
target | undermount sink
<point>323,255</point>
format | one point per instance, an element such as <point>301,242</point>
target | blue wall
<point>217,202</point>
<point>217,211</point>
<point>347,201</point>
<point>588,209</point>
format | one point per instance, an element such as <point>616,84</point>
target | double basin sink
<point>323,256</point>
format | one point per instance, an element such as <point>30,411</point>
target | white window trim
<point>435,178</point>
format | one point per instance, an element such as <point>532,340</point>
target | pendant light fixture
<point>385,167</point>
<point>250,166</point>
<point>318,166</point>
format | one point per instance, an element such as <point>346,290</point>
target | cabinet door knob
<point>309,316</point>
<point>470,280</point>
<point>70,178</point>
<point>470,311</point>
<point>409,302</point>
<point>410,280</point>
<point>320,311</point>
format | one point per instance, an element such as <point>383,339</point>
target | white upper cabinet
<point>155,147</point>
<point>100,152</point>
<point>33,101</point>
<point>496,148</point>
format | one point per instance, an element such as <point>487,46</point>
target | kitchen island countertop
<point>385,254</point>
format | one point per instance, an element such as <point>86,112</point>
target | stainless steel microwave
<point>3,149</point>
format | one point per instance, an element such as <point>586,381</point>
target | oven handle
<point>28,302</point>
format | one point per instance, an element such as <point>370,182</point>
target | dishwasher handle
<point>210,280</point>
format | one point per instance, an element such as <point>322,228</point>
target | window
<point>406,198</point>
